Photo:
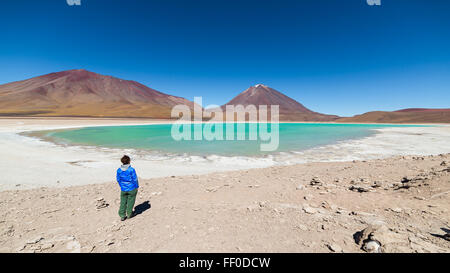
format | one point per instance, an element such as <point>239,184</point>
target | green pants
<point>127,199</point>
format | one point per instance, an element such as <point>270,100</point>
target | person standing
<point>129,184</point>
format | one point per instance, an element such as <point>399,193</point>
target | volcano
<point>289,109</point>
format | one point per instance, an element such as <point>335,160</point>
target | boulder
<point>377,237</point>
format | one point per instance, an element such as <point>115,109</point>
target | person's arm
<point>135,178</point>
<point>117,177</point>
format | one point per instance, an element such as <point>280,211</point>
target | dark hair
<point>125,160</point>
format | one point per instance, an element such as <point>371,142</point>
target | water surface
<point>293,137</point>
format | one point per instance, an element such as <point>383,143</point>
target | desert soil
<point>401,204</point>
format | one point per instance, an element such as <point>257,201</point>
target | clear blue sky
<point>335,56</point>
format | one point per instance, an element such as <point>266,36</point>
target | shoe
<point>123,218</point>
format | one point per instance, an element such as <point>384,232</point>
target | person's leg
<point>130,202</point>
<point>123,204</point>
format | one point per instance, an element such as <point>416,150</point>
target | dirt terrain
<point>398,204</point>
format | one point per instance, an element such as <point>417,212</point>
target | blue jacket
<point>127,178</point>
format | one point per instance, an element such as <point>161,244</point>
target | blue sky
<point>335,56</point>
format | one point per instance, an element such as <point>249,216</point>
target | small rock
<point>300,187</point>
<point>89,249</point>
<point>357,188</point>
<point>405,179</point>
<point>334,247</point>
<point>22,248</point>
<point>372,247</point>
<point>315,181</point>
<point>35,240</point>
<point>47,246</point>
<point>446,237</point>
<point>397,210</point>
<point>309,210</point>
<point>308,197</point>
<point>101,203</point>
<point>342,211</point>
<point>377,184</point>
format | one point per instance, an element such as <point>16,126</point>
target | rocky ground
<point>398,204</point>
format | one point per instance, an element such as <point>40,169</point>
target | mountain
<point>84,93</point>
<point>289,109</point>
<point>411,115</point>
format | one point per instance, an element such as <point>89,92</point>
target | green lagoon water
<point>293,137</point>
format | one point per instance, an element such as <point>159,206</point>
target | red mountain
<point>84,93</point>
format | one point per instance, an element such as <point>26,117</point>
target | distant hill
<point>84,93</point>
<point>289,109</point>
<point>411,115</point>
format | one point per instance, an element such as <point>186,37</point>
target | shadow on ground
<point>446,236</point>
<point>139,209</point>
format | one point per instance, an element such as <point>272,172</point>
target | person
<point>129,184</point>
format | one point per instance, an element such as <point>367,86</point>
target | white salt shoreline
<point>35,163</point>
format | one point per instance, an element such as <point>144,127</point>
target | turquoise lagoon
<point>293,137</point>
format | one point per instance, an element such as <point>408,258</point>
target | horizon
<point>332,57</point>
<point>213,106</point>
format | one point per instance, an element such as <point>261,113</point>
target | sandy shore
<point>64,199</point>
<point>314,207</point>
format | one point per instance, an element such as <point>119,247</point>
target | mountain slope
<point>413,115</point>
<point>84,93</point>
<point>290,110</point>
